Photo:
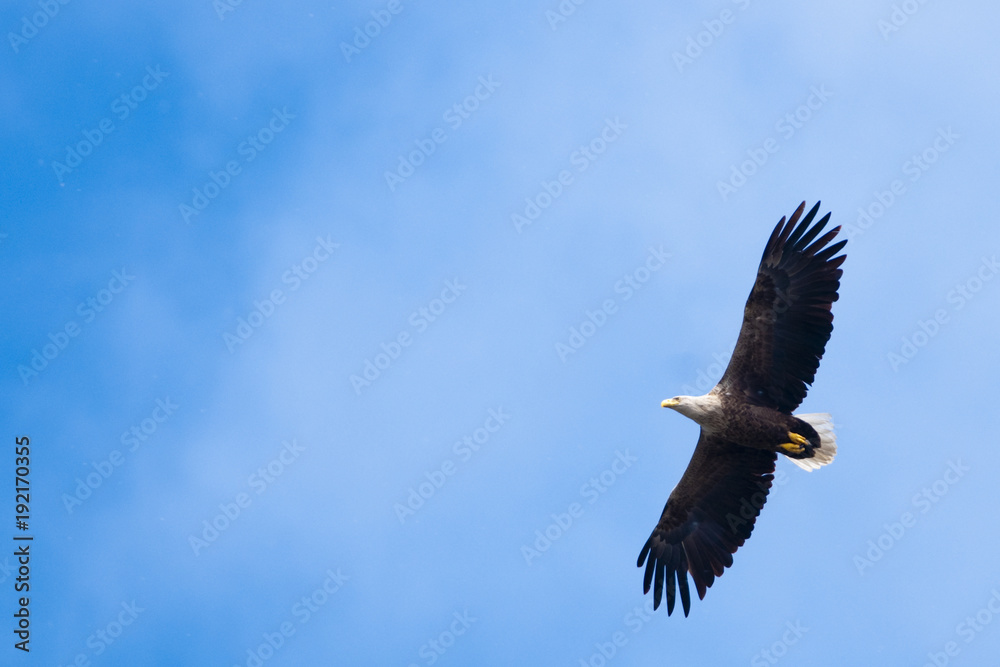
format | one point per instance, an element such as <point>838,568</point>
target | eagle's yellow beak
<point>670,403</point>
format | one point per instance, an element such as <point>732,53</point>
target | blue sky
<point>317,334</point>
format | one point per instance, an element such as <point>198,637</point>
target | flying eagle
<point>747,418</point>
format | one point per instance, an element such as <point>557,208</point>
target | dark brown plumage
<point>747,418</point>
<point>787,320</point>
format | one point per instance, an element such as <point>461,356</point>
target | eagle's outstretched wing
<point>708,516</point>
<point>787,320</point>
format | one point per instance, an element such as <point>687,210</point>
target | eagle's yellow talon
<point>795,446</point>
<point>797,439</point>
<point>792,448</point>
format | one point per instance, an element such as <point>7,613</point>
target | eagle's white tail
<point>823,423</point>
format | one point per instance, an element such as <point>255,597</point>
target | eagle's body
<point>723,416</point>
<point>746,420</point>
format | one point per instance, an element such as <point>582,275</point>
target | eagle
<point>746,419</point>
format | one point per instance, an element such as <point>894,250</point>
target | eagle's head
<point>698,408</point>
